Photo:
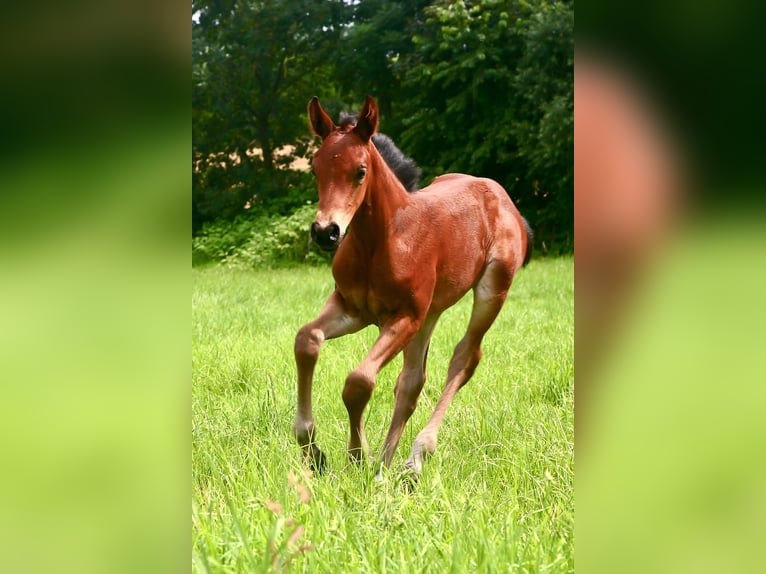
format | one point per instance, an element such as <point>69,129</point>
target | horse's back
<point>506,230</point>
<point>468,188</point>
<point>444,178</point>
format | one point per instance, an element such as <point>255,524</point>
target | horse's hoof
<point>318,462</point>
<point>408,478</point>
<point>359,458</point>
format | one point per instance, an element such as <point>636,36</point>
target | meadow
<point>497,496</point>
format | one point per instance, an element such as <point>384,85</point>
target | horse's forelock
<point>346,120</point>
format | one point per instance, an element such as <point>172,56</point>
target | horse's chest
<point>368,300</point>
<point>373,289</point>
<point>372,296</point>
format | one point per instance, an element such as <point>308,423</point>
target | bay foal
<point>402,259</point>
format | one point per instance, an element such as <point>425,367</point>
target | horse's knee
<point>308,341</point>
<point>358,388</point>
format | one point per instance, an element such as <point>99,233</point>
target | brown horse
<point>402,259</point>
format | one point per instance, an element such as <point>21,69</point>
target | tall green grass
<point>497,496</point>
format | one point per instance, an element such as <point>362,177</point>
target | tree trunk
<point>264,139</point>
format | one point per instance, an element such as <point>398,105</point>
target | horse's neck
<point>385,196</point>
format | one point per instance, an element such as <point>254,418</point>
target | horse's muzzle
<point>326,237</point>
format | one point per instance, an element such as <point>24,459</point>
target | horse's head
<point>340,165</point>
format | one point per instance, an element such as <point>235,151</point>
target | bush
<point>265,241</point>
<point>219,239</point>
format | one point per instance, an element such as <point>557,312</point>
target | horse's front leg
<point>395,334</point>
<point>333,321</point>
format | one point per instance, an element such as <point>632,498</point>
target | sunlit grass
<point>497,495</point>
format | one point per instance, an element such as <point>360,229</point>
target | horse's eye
<point>361,173</point>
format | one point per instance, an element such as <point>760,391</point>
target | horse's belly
<point>449,291</point>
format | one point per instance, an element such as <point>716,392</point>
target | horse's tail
<point>530,242</point>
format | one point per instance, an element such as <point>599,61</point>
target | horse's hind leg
<point>332,322</point>
<point>408,387</point>
<point>489,296</point>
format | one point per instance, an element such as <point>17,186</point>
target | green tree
<point>489,92</point>
<point>378,36</point>
<point>544,126</point>
<point>255,65</point>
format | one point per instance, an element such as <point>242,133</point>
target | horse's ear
<point>321,123</point>
<point>367,122</point>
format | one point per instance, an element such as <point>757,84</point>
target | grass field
<point>497,496</point>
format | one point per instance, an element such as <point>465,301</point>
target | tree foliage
<point>482,87</point>
<point>254,64</point>
<point>379,35</point>
<point>491,82</point>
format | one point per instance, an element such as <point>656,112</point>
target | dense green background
<point>482,87</point>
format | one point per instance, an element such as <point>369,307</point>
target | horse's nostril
<point>333,232</point>
<point>326,237</point>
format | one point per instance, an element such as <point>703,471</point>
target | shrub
<point>219,239</point>
<point>265,241</point>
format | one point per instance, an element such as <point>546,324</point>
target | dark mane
<point>405,168</point>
